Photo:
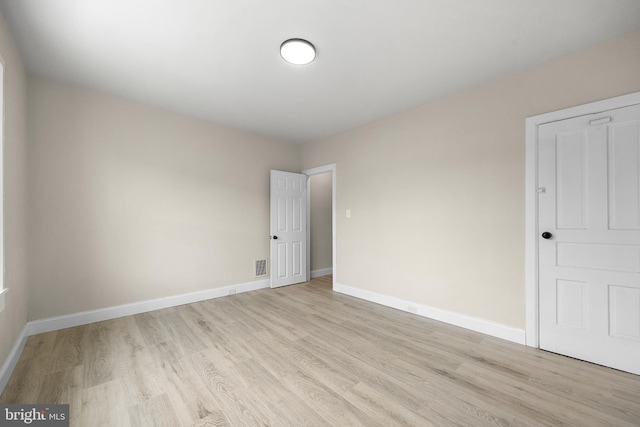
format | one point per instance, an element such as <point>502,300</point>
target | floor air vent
<point>261,267</point>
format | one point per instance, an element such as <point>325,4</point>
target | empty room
<point>320,213</point>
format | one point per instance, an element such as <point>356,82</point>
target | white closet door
<point>589,222</point>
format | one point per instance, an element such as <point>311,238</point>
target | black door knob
<point>275,237</point>
<point>546,235</point>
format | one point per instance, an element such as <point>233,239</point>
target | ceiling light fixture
<point>297,51</point>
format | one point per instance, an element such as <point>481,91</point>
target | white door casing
<point>288,227</point>
<point>589,268</point>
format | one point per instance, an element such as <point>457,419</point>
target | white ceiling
<point>219,60</point>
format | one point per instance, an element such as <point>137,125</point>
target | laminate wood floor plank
<point>304,355</point>
<point>565,369</point>
<point>155,412</point>
<point>126,344</point>
<point>221,311</point>
<point>275,319</point>
<point>213,420</point>
<point>39,346</point>
<point>384,409</point>
<point>153,331</point>
<point>67,352</point>
<point>191,400</point>
<point>304,360</point>
<point>409,393</point>
<point>559,383</point>
<point>475,352</point>
<point>501,395</point>
<point>26,381</point>
<point>233,405</point>
<point>64,387</point>
<point>326,402</point>
<point>97,355</point>
<point>289,406</point>
<point>198,321</point>
<point>349,363</point>
<point>401,344</point>
<point>544,397</point>
<point>307,319</point>
<point>104,405</point>
<point>454,398</point>
<point>275,359</point>
<point>167,350</point>
<point>269,410</point>
<point>144,381</point>
<point>184,336</point>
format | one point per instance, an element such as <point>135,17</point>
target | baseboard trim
<point>86,317</point>
<point>321,272</point>
<point>12,358</point>
<point>477,324</point>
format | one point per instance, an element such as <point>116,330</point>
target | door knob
<point>546,235</point>
<point>275,237</point>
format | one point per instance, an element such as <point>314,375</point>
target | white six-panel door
<point>288,228</point>
<point>589,263</point>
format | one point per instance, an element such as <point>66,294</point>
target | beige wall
<point>320,208</point>
<point>14,317</point>
<point>130,203</point>
<point>437,192</point>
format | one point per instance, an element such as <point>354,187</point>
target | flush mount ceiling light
<point>297,51</point>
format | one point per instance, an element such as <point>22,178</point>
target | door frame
<point>531,199</point>
<point>317,171</point>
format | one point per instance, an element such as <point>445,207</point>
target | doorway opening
<point>319,188</point>
<point>324,178</point>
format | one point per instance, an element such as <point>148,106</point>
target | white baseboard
<point>321,272</point>
<point>86,317</point>
<point>468,322</point>
<point>12,358</point>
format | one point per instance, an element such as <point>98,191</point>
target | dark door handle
<point>275,237</point>
<point>546,235</point>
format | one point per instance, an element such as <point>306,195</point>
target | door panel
<point>589,270</point>
<point>571,154</point>
<point>624,182</point>
<point>624,306</point>
<point>288,228</point>
<point>572,303</point>
<point>624,258</point>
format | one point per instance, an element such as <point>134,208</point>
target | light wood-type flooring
<point>306,356</point>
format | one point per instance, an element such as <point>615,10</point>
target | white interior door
<point>589,262</point>
<point>288,228</point>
